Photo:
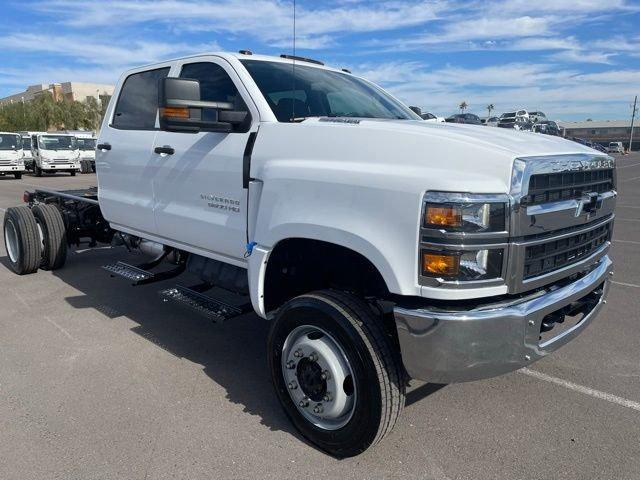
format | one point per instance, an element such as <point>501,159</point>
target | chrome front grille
<point>558,253</point>
<point>553,187</point>
<point>561,218</point>
<point>5,163</point>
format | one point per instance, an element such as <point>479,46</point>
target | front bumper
<point>11,168</point>
<point>448,346</point>
<point>65,167</point>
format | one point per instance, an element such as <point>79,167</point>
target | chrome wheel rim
<point>11,241</point>
<point>319,378</point>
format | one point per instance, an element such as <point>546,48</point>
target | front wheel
<point>73,173</point>
<point>335,371</point>
<point>38,171</point>
<point>18,175</point>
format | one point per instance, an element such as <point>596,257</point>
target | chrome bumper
<point>464,345</point>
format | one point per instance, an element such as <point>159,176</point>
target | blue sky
<point>573,59</point>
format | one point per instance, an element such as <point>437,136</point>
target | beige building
<point>603,131</point>
<point>67,90</point>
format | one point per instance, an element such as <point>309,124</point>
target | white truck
<point>87,147</point>
<point>380,247</point>
<point>11,155</point>
<point>55,152</point>
<point>26,149</point>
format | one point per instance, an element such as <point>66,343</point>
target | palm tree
<point>463,106</point>
<point>490,107</point>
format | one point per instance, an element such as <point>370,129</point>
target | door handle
<point>104,146</point>
<point>166,149</point>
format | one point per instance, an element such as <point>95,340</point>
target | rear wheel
<point>53,235</point>
<point>335,372</point>
<point>84,166</point>
<point>21,240</point>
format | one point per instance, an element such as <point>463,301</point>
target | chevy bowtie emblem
<point>589,204</point>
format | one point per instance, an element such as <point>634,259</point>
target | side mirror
<point>417,110</point>
<point>181,109</point>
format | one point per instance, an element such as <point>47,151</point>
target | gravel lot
<point>101,380</point>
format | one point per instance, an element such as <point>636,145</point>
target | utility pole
<point>633,117</point>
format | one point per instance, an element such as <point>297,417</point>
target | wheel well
<point>300,265</point>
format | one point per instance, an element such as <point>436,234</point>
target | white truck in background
<point>380,247</point>
<point>55,152</point>
<point>87,148</point>
<point>11,154</point>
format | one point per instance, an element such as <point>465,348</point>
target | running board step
<point>209,307</point>
<point>136,275</point>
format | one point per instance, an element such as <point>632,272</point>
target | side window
<point>137,105</point>
<point>215,83</point>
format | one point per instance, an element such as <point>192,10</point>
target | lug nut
<point>304,403</point>
<point>313,357</point>
<point>325,375</point>
<point>293,385</point>
<point>297,353</point>
<point>291,364</point>
<point>327,397</point>
<point>318,408</point>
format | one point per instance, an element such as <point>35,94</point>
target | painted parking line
<point>627,166</point>
<point>630,180</point>
<point>626,284</point>
<point>607,397</point>
<point>633,242</point>
<point>626,206</point>
<point>3,209</point>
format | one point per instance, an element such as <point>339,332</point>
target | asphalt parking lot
<point>101,380</point>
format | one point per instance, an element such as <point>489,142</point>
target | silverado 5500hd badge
<point>221,203</point>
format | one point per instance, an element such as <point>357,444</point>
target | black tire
<point>84,166</point>
<point>37,170</point>
<point>54,253</point>
<point>376,365</point>
<point>72,173</point>
<point>22,241</point>
<point>18,175</point>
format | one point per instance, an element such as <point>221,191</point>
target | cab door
<point>198,191</point>
<point>124,159</point>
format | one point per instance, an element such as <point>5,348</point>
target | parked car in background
<point>490,121</point>
<point>547,127</point>
<point>519,120</point>
<point>615,147</point>
<point>599,147</point>
<point>11,156</point>
<point>537,117</point>
<point>464,118</point>
<point>430,117</point>
<point>55,152</point>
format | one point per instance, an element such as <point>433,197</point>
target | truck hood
<point>512,142</point>
<point>404,155</point>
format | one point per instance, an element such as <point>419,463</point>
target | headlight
<point>459,212</point>
<point>483,264</point>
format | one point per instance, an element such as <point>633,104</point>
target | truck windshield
<point>26,143</point>
<point>315,92</point>
<point>10,142</point>
<point>86,144</point>
<point>58,142</point>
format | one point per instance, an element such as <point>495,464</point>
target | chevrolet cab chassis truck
<point>380,247</point>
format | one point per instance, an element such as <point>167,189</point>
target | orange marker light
<point>446,216</point>
<point>436,264</point>
<point>174,112</point>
